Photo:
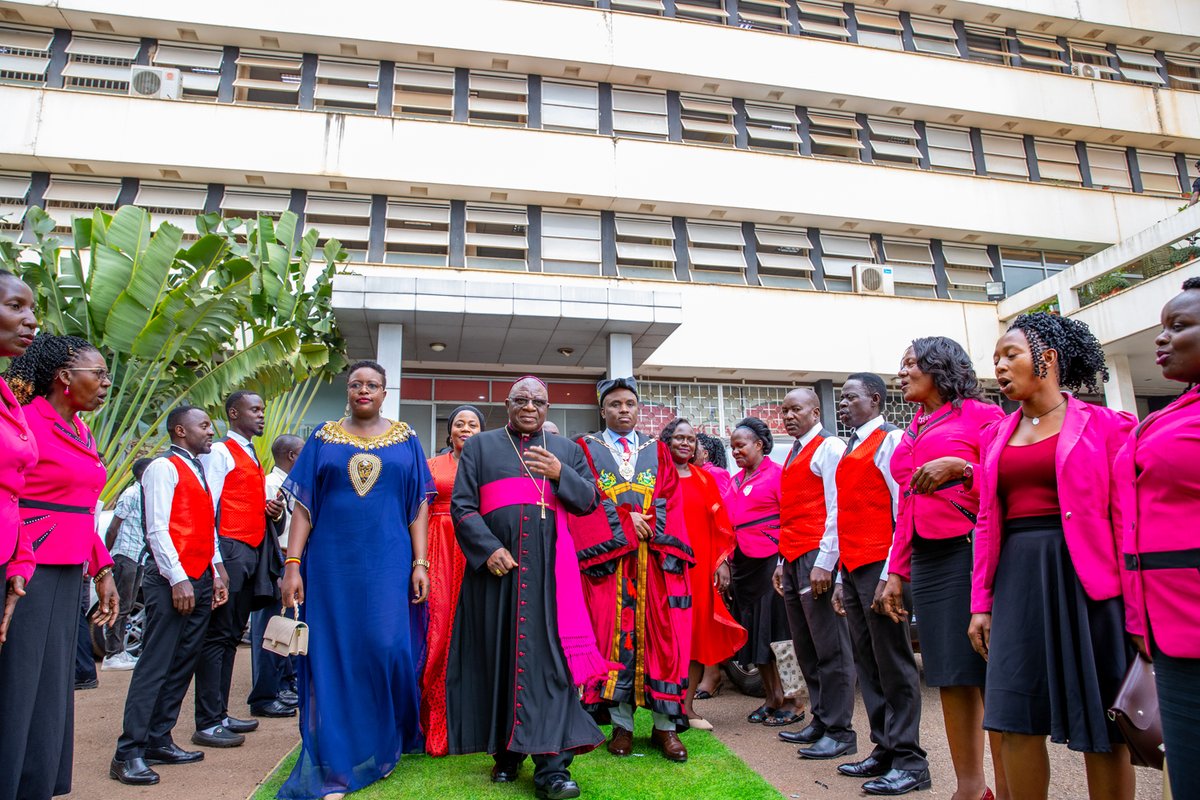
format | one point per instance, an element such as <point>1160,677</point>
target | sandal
<point>779,718</point>
<point>759,714</point>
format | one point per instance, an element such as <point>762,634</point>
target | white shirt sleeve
<point>217,464</point>
<point>159,482</point>
<point>883,460</point>
<point>824,466</point>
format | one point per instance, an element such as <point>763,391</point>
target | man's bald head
<point>801,411</point>
<point>528,386</point>
<point>527,404</point>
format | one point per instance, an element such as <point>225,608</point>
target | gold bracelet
<point>420,562</point>
<point>100,575</point>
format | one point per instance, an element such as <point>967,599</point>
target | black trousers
<point>85,662</point>
<point>547,767</point>
<point>1178,682</point>
<point>127,574</point>
<point>171,645</point>
<point>887,672</point>
<point>822,642</point>
<point>214,671</point>
<point>37,701</point>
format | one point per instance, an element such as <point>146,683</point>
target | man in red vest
<point>808,549</point>
<point>867,498</point>
<point>239,495</point>
<point>183,581</point>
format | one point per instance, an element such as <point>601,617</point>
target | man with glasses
<point>521,642</point>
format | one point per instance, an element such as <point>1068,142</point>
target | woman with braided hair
<point>56,379</point>
<point>1046,590</point>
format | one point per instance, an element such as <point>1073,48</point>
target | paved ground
<point>233,774</point>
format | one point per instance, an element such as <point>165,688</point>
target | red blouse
<point>1027,481</point>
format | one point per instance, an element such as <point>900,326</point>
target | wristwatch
<point>968,472</point>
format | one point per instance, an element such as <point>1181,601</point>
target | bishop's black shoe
<point>811,733</point>
<point>869,767</point>
<point>826,748</point>
<point>899,781</point>
<point>558,790</point>
<point>505,773</point>
<point>133,772</point>
<point>172,754</point>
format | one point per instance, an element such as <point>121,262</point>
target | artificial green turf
<point>711,771</point>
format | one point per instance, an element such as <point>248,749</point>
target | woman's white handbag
<point>286,637</point>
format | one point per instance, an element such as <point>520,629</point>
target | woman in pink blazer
<point>1158,477</point>
<point>1046,592</point>
<point>18,449</point>
<point>934,466</point>
<point>57,378</point>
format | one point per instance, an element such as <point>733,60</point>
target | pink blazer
<point>1088,444</point>
<point>18,454</point>
<point>753,509</point>
<point>58,506</point>
<point>1158,480</point>
<point>951,432</point>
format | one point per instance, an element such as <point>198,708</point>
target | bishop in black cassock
<point>517,653</point>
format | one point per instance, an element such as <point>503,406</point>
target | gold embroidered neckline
<point>334,433</point>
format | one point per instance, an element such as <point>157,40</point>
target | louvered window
<point>345,217</point>
<point>936,36</point>
<point>772,127</point>
<point>717,252</point>
<point>268,78</point>
<point>199,67</point>
<point>839,253</point>
<point>824,20</point>
<point>640,114</point>
<point>1140,66</point>
<point>783,257</point>
<point>949,149</point>
<point>1192,172</point>
<point>423,92</point>
<point>1109,167</point>
<point>701,10</point>
<point>645,248</point>
<point>67,198</point>
<point>968,270</point>
<point>570,243</point>
<point>497,237</point>
<point>654,7</point>
<point>1058,161</point>
<point>1183,72</point>
<point>894,141</point>
<point>250,203</point>
<point>708,120</point>
<point>351,86</point>
<point>764,15</point>
<point>1039,52</point>
<point>498,99</point>
<point>1159,173</point>
<point>24,54</point>
<point>14,197</point>
<point>417,233</point>
<point>988,44</point>
<point>879,29</point>
<point>1004,156</point>
<point>1091,60</point>
<point>834,135</point>
<point>176,203</point>
<point>912,267</point>
<point>100,65</point>
<point>570,106</point>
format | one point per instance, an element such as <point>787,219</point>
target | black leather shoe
<point>90,683</point>
<point>133,772</point>
<point>869,767</point>
<point>289,698</point>
<point>825,748</point>
<point>241,725</point>
<point>506,773</point>
<point>273,709</point>
<point>219,737</point>
<point>172,754</point>
<point>810,734</point>
<point>558,790</point>
<point>899,781</point>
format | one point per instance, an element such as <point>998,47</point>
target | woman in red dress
<point>716,636</point>
<point>446,566</point>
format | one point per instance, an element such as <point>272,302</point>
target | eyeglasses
<point>521,402</point>
<point>101,373</point>
<point>371,387</point>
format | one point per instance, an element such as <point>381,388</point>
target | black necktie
<point>852,441</point>
<point>795,449</point>
<point>195,463</point>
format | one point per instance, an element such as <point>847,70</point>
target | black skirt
<point>941,596</point>
<point>37,672</point>
<point>1057,657</point>
<point>760,609</point>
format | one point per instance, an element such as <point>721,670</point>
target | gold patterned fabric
<point>334,433</point>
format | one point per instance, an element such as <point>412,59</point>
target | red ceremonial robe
<point>716,635</point>
<point>637,593</point>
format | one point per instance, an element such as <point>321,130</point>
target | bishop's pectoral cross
<point>543,505</point>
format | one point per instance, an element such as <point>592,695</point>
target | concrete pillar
<point>389,352</point>
<point>620,355</point>
<point>1118,392</point>
<point>824,390</point>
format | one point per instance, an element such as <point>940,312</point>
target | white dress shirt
<point>275,479</point>
<point>824,466</point>
<point>159,482</point>
<point>883,460</point>
<point>218,463</point>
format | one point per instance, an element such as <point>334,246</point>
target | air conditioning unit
<point>874,279</point>
<point>162,83</point>
<point>1086,70</point>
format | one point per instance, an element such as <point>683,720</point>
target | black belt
<point>754,522</point>
<point>44,506</point>
<point>1163,559</point>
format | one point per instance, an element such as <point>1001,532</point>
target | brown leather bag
<point>1135,710</point>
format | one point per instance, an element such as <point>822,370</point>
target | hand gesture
<point>500,562</point>
<point>934,473</point>
<point>541,461</point>
<point>641,526</point>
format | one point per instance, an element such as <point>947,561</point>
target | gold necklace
<point>625,461</point>
<point>541,489</point>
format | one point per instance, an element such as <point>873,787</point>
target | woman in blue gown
<point>357,563</point>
